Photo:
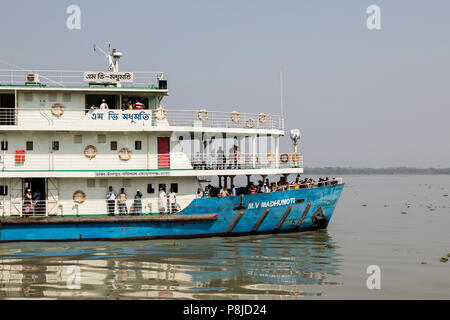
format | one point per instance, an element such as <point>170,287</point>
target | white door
<point>16,197</point>
<point>52,196</point>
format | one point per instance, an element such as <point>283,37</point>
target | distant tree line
<point>394,170</point>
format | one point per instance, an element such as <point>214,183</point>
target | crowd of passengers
<point>264,187</point>
<point>126,105</point>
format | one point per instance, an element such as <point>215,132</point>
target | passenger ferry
<point>72,140</point>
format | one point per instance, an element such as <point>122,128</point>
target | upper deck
<point>61,100</point>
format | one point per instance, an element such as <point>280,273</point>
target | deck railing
<point>68,78</point>
<point>128,119</point>
<point>174,161</point>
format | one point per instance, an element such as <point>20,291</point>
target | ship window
<point>4,145</point>
<point>101,138</point>
<point>28,96</point>
<point>138,145</point>
<point>150,188</point>
<point>174,187</point>
<point>77,138</point>
<point>3,190</point>
<point>162,186</point>
<point>67,97</point>
<point>55,145</point>
<point>29,145</point>
<point>113,145</point>
<point>52,96</point>
<point>91,183</point>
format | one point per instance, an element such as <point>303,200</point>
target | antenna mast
<point>113,57</point>
<point>281,93</point>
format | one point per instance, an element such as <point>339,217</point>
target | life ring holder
<point>262,117</point>
<point>201,117</point>
<point>235,116</point>
<point>284,157</point>
<point>295,157</point>
<point>271,157</point>
<point>77,199</point>
<point>125,154</point>
<point>57,110</point>
<point>250,123</point>
<point>88,154</point>
<point>160,114</point>
<point>239,157</point>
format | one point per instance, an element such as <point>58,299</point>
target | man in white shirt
<point>104,105</point>
<point>162,201</point>
<point>172,197</point>
<point>111,198</point>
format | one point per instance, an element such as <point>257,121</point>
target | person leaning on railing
<point>111,196</point>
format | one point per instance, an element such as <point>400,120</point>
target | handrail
<point>62,78</point>
<point>145,117</point>
<point>110,161</point>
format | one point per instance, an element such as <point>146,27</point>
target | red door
<point>163,153</point>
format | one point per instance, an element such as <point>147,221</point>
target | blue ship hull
<point>288,211</point>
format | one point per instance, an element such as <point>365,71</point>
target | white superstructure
<point>56,139</point>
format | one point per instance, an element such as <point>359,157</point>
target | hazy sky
<point>361,98</point>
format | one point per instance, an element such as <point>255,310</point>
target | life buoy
<point>235,116</point>
<point>284,157</point>
<point>250,123</point>
<point>79,196</point>
<point>57,110</point>
<point>295,157</point>
<point>262,118</point>
<point>125,154</point>
<point>90,152</point>
<point>271,157</point>
<point>160,113</point>
<point>201,117</point>
<point>239,157</point>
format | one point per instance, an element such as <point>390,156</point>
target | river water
<point>399,223</point>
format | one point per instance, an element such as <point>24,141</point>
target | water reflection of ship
<point>247,267</point>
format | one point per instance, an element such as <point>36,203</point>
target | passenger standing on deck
<point>137,205</point>
<point>172,199</point>
<point>252,189</point>
<point>233,190</point>
<point>104,105</point>
<point>28,202</point>
<point>221,159</point>
<point>162,200</point>
<point>122,202</point>
<point>199,193</point>
<point>37,202</point>
<point>206,192</point>
<point>138,105</point>
<point>111,199</point>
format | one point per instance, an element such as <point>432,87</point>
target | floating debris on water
<point>443,259</point>
<point>404,212</point>
<point>445,195</point>
<point>423,262</point>
<point>329,246</point>
<point>364,205</point>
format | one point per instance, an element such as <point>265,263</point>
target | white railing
<point>177,160</point>
<point>73,119</point>
<point>68,78</point>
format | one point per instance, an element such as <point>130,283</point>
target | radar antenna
<point>112,56</point>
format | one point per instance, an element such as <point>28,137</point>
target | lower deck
<point>284,211</point>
